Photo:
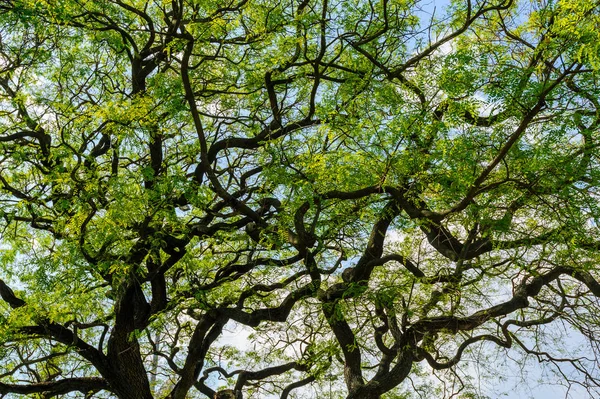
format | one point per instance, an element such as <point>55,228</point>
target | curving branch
<point>54,388</point>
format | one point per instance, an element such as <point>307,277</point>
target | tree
<point>375,189</point>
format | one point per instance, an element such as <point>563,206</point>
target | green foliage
<point>356,199</point>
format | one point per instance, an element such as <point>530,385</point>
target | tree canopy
<point>373,193</point>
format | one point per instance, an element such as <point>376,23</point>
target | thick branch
<point>55,388</point>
